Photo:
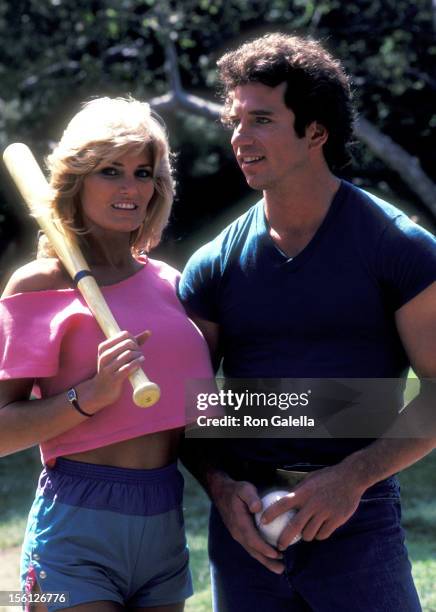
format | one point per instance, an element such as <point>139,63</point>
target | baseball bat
<point>34,189</point>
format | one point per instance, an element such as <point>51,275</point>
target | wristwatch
<point>73,398</point>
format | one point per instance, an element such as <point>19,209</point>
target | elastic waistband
<point>103,487</point>
<point>110,473</point>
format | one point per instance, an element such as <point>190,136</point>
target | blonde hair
<point>102,131</point>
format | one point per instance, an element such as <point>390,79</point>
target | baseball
<point>271,532</point>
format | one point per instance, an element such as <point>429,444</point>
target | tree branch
<point>172,67</point>
<point>394,156</point>
<point>188,102</point>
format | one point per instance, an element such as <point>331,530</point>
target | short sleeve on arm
<point>30,336</point>
<point>198,286</point>
<point>407,259</point>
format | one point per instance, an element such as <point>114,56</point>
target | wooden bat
<point>34,188</point>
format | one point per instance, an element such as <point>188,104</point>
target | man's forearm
<point>386,457</point>
<point>411,437</point>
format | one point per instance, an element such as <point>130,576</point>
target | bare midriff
<point>146,452</point>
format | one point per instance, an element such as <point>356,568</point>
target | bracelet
<point>74,401</point>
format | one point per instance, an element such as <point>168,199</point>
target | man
<point>317,280</point>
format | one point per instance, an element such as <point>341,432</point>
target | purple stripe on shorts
<point>123,490</point>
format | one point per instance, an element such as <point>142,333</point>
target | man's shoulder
<point>220,248</point>
<point>372,205</point>
<point>379,215</point>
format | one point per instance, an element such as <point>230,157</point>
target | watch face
<point>71,395</point>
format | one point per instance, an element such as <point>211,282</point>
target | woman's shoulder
<point>163,270</point>
<point>38,275</point>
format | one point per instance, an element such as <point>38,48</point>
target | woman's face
<point>116,197</point>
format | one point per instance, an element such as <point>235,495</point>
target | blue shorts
<point>105,533</point>
<point>363,566</point>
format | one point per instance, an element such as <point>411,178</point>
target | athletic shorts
<point>107,533</point>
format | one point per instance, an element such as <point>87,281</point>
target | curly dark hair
<point>317,87</point>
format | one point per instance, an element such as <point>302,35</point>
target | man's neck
<point>295,214</point>
<point>301,205</point>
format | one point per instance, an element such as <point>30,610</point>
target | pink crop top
<point>52,337</point>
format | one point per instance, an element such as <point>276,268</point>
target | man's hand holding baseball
<point>237,502</point>
<point>325,500</point>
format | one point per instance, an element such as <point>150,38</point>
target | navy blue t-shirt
<point>326,313</point>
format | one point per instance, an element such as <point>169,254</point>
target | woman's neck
<point>110,258</point>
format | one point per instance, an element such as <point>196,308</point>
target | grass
<point>18,476</point>
<point>418,490</point>
<point>196,507</point>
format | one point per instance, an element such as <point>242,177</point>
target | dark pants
<point>362,567</point>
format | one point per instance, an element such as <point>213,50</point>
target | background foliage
<point>57,53</point>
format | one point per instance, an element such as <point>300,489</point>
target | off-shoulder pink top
<point>52,337</point>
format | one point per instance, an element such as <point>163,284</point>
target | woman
<point>106,526</point>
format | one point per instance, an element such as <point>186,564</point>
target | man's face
<point>266,146</point>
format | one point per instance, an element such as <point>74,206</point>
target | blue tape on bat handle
<point>81,274</point>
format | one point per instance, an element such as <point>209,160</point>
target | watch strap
<point>73,398</point>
